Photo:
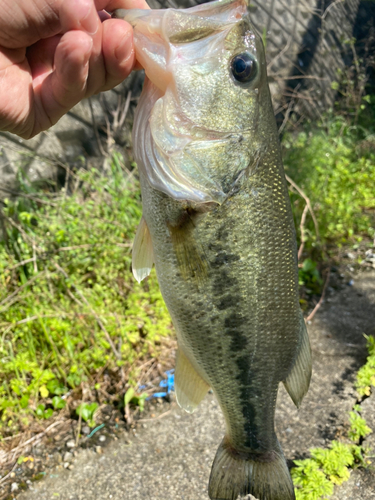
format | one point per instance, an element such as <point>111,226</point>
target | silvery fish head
<point>205,111</point>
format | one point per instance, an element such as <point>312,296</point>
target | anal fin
<point>298,381</point>
<point>189,385</point>
<point>142,253</point>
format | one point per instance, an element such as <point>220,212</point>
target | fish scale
<point>218,225</point>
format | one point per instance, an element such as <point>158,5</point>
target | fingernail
<point>125,48</point>
<point>88,17</point>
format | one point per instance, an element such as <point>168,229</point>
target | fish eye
<point>244,67</point>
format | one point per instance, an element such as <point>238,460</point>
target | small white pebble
<point>68,456</point>
<point>14,487</point>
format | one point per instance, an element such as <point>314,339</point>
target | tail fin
<point>265,476</point>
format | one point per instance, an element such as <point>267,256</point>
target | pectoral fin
<point>143,254</point>
<point>298,380</point>
<point>191,255</point>
<point>189,385</point>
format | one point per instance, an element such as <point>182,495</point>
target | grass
<point>334,164</point>
<point>315,477</point>
<point>331,166</point>
<point>70,311</point>
<point>365,382</point>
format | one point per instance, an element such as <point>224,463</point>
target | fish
<point>217,223</point>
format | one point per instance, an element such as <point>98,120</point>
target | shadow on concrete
<point>348,314</point>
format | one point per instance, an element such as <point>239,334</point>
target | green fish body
<point>217,223</point>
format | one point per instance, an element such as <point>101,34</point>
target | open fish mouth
<point>181,144</point>
<point>156,30</point>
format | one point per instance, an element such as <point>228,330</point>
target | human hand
<point>53,53</point>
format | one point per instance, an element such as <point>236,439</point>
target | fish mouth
<point>181,153</point>
<point>156,32</point>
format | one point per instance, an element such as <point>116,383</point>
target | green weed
<point>358,427</point>
<point>131,396</point>
<point>314,478</point>
<point>70,309</point>
<point>309,276</point>
<point>335,167</point>
<point>86,411</point>
<point>366,375</point>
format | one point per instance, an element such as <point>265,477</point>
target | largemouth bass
<point>217,223</point>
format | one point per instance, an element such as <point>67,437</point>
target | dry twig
<point>22,263</point>
<point>307,200</point>
<point>155,418</point>
<point>313,312</point>
<point>95,127</point>
<point>302,229</point>
<point>20,194</point>
<point>30,441</point>
<point>80,416</point>
<point>290,109</point>
<point>19,289</point>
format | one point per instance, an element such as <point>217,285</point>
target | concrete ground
<point>169,457</point>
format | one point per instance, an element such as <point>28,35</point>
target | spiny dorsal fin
<point>189,385</point>
<point>142,254</point>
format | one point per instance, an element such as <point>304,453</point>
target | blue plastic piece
<point>168,383</point>
<point>157,395</point>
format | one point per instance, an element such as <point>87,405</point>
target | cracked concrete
<point>170,457</point>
